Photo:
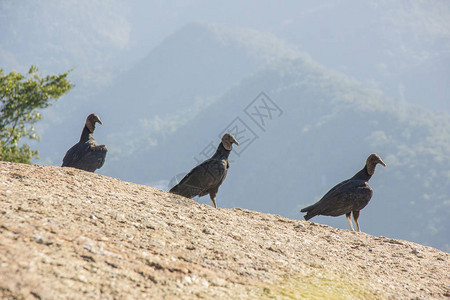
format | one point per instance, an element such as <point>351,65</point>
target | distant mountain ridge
<point>191,69</point>
<point>184,67</point>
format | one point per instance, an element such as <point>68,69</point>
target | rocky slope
<point>66,233</point>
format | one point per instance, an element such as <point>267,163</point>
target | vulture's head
<point>91,120</point>
<point>372,162</point>
<point>228,140</point>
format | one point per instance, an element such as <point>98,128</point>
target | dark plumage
<point>349,196</point>
<point>86,154</point>
<point>208,176</point>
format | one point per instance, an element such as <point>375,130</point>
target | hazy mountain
<point>198,61</point>
<point>324,128</point>
<point>177,80</point>
<point>400,47</point>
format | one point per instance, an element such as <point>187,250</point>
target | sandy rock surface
<point>66,233</point>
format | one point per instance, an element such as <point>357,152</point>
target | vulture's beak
<point>99,121</point>
<point>382,163</point>
<point>234,141</point>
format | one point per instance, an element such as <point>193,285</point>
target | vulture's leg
<point>355,217</point>
<point>349,221</point>
<point>213,199</point>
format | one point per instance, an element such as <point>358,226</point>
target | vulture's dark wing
<point>100,154</point>
<point>203,178</point>
<point>93,158</point>
<point>345,197</point>
<point>85,156</point>
<point>74,154</point>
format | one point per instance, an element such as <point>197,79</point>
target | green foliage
<point>20,98</point>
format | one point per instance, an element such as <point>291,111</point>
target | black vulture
<point>208,176</point>
<point>86,154</point>
<point>349,196</point>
